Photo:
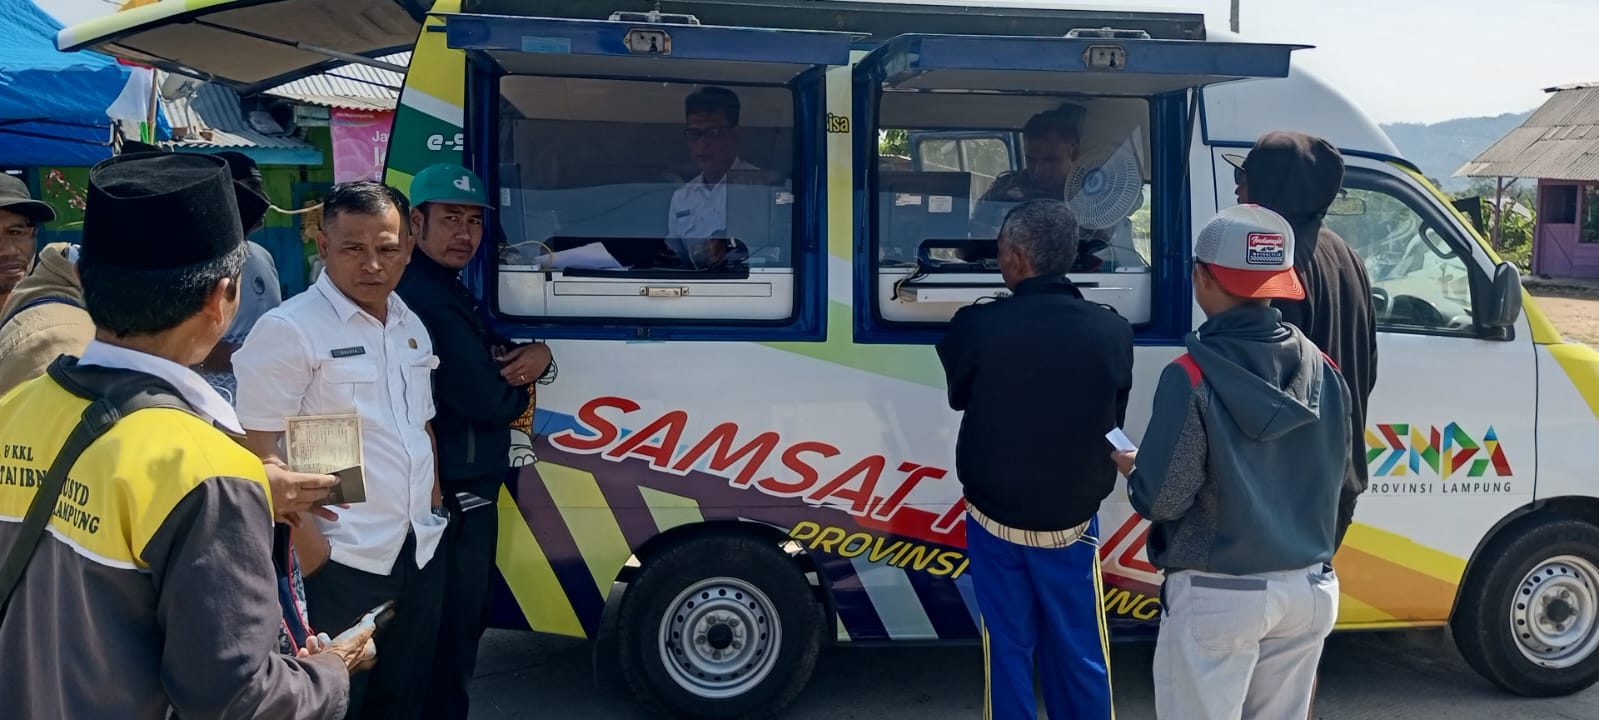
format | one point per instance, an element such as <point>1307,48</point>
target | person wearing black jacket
<point>480,387</point>
<point>1298,176</point>
<point>1041,376</point>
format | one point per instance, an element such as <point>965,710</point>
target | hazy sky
<point>1403,60</point>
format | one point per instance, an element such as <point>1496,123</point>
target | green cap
<point>447,183</point>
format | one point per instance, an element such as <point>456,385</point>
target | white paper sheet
<point>592,256</point>
<point>1120,441</point>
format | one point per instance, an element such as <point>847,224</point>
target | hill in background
<point>1439,149</point>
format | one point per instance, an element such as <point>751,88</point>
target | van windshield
<point>620,175</point>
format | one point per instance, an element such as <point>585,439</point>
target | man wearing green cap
<point>481,386</point>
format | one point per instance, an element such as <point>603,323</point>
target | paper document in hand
<point>330,445</point>
<point>1120,441</point>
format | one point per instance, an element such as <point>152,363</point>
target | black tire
<point>727,568</point>
<point>1501,591</point>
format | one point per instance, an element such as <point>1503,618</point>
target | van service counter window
<point>646,200</point>
<point>951,165</point>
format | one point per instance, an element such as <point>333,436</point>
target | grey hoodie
<point>1246,450</point>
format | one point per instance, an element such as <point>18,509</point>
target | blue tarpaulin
<point>53,104</point>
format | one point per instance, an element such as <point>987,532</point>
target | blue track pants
<point>1043,605</point>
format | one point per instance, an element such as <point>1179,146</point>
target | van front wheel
<point>1529,619</point>
<point>720,627</point>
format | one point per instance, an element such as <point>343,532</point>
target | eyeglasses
<point>1238,176</point>
<point>710,133</point>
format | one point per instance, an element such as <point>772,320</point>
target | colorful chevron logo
<point>1399,450</point>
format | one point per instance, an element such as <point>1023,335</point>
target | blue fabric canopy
<point>53,104</point>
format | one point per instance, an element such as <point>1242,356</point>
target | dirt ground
<point>1574,311</point>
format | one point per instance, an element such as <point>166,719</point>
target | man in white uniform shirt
<point>349,344</point>
<point>697,224</point>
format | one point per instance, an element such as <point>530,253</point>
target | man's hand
<point>1125,460</point>
<point>713,251</point>
<point>525,364</point>
<point>358,653</point>
<point>297,492</point>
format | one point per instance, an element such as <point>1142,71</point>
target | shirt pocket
<point>419,388</point>
<point>348,379</point>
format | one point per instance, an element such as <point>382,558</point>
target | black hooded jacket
<point>1299,176</point>
<point>1041,377</point>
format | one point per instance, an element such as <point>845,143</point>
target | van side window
<point>659,202</point>
<point>951,166</point>
<point>1420,282</point>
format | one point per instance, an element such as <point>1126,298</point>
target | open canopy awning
<point>252,44</point>
<point>604,48</point>
<point>1051,65</point>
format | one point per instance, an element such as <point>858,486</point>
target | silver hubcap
<point>720,638</point>
<point>1555,618</point>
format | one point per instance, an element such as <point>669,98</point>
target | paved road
<point>1364,676</point>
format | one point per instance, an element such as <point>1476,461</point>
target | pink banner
<point>360,143</point>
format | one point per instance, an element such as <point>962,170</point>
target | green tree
<point>894,142</point>
<point>1515,218</point>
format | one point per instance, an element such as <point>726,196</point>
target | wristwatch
<point>441,511</point>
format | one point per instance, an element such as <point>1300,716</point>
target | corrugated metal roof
<point>214,110</point>
<point>1559,142</point>
<point>353,87</point>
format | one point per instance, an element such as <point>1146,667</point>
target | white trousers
<point>1242,646</point>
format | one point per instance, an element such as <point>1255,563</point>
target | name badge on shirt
<point>349,351</point>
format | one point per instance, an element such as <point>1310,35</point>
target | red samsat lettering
<point>808,469</point>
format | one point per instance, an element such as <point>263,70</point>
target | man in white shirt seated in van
<point>349,344</point>
<point>697,223</point>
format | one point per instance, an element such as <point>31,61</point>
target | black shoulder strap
<point>36,302</point>
<point>113,395</point>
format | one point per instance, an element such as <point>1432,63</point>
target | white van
<point>744,461</point>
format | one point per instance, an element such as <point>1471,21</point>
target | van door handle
<point>663,292</point>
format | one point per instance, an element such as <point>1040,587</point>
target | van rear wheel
<point>719,627</point>
<point>1529,619</point>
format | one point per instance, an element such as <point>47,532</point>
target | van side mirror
<point>1504,301</point>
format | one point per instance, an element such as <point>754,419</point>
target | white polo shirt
<point>320,354</point>
<point>699,209</point>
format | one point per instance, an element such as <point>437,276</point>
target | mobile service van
<point>743,460</point>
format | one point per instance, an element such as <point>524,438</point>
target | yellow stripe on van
<point>1581,364</point>
<point>1351,611</point>
<point>1373,574</point>
<point>594,528</point>
<point>443,74</point>
<point>530,576</point>
<point>1403,551</point>
<point>669,510</point>
<point>399,180</point>
<point>1544,331</point>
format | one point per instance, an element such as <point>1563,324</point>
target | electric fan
<point>1104,195</point>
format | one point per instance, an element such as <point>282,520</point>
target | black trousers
<point>337,596</point>
<point>469,567</point>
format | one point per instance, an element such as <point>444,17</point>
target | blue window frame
<point>635,303</point>
<point>1034,70</point>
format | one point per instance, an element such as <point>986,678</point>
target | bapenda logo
<point>1395,450</point>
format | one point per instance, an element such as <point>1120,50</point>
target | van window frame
<point>1449,230</point>
<point>1171,138</point>
<point>807,317</point>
